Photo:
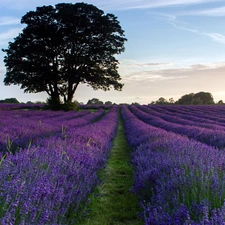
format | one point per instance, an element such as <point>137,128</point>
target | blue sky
<point>174,47</point>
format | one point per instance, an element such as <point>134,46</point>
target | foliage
<point>67,106</point>
<point>94,101</point>
<point>53,104</point>
<point>64,46</point>
<point>108,103</point>
<point>196,99</point>
<point>185,99</point>
<point>161,101</point>
<point>135,103</point>
<point>9,100</point>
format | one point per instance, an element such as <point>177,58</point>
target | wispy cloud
<point>146,4</point>
<point>134,63</point>
<point>150,76</point>
<point>151,64</point>
<point>194,78</point>
<point>214,36</point>
<point>141,4</point>
<point>172,73</point>
<point>109,4</point>
<point>9,21</point>
<point>219,11</point>
<point>132,66</point>
<point>8,35</point>
<point>178,24</point>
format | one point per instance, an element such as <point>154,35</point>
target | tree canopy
<point>95,101</point>
<point>64,46</point>
<point>9,100</point>
<point>198,98</point>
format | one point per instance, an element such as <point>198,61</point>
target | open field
<point>167,162</point>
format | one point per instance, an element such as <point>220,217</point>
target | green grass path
<point>113,203</point>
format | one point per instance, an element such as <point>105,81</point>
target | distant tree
<point>64,46</point>
<point>40,102</point>
<point>152,103</point>
<point>9,100</point>
<point>135,103</point>
<point>171,101</point>
<point>205,97</point>
<point>161,101</point>
<point>185,99</point>
<point>94,101</point>
<point>220,102</point>
<point>29,102</point>
<point>108,103</point>
<point>197,99</point>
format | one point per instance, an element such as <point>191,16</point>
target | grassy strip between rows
<point>113,203</point>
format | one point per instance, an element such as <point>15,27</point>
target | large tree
<point>64,46</point>
<point>200,98</point>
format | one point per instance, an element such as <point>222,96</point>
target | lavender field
<point>179,162</point>
<point>49,162</point>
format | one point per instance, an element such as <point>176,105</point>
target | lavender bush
<point>177,180</point>
<point>49,182</point>
<point>211,137</point>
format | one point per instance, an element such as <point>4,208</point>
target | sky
<point>174,47</point>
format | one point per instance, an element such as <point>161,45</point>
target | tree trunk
<point>54,101</point>
<point>71,90</point>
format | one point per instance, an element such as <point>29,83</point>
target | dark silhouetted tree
<point>94,101</point>
<point>171,101</point>
<point>204,98</point>
<point>108,103</point>
<point>161,101</point>
<point>200,98</point>
<point>185,99</point>
<point>9,100</point>
<point>64,46</point>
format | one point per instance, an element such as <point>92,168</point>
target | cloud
<point>9,21</point>
<point>150,76</point>
<point>213,36</point>
<point>109,4</point>
<point>178,24</point>
<point>146,4</point>
<point>8,35</point>
<point>134,63</point>
<point>127,66</point>
<point>219,11</point>
<point>151,64</point>
<point>175,82</point>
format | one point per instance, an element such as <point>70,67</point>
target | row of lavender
<point>211,134</point>
<point>14,106</point>
<point>205,113</point>
<point>177,180</point>
<point>21,128</point>
<point>48,183</point>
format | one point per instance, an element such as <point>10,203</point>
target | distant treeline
<point>9,100</point>
<point>200,98</point>
<point>15,101</point>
